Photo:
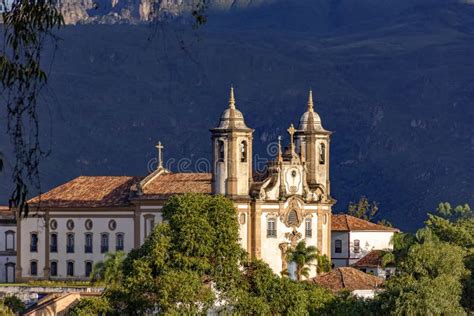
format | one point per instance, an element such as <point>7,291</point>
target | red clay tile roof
<point>103,191</point>
<point>169,184</point>
<point>344,222</point>
<point>348,278</point>
<point>371,260</point>
<point>6,213</point>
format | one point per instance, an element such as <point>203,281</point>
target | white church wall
<point>340,259</point>
<point>28,226</point>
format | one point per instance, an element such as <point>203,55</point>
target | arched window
<point>53,242</point>
<point>220,151</point>
<point>10,240</point>
<point>88,243</point>
<point>292,218</point>
<point>53,270</point>
<point>338,246</point>
<point>322,153</point>
<point>88,268</point>
<point>119,242</point>
<point>104,242</point>
<point>271,227</point>
<point>243,151</point>
<point>70,243</point>
<point>34,242</point>
<point>356,246</point>
<point>308,227</point>
<point>70,268</point>
<point>33,267</point>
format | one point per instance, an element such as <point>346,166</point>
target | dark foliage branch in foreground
<point>26,27</point>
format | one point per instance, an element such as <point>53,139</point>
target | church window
<point>308,228</point>
<point>119,242</point>
<point>53,224</point>
<point>220,151</point>
<point>242,219</point>
<point>356,246</point>
<point>88,268</point>
<point>322,154</point>
<point>70,243</point>
<point>34,242</point>
<point>112,225</point>
<point>104,242</point>
<point>338,246</point>
<point>53,269</point>
<point>70,224</point>
<point>271,227</point>
<point>53,242</point>
<point>243,151</point>
<point>88,224</point>
<point>70,268</point>
<point>292,218</point>
<point>33,267</point>
<point>88,243</point>
<point>10,240</point>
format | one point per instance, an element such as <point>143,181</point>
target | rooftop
<point>168,184</point>
<point>371,260</point>
<point>344,222</point>
<point>347,278</point>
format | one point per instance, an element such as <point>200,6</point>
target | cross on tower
<point>160,147</point>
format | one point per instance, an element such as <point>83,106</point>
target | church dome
<point>310,118</point>
<point>231,117</point>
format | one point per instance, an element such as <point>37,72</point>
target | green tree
<point>366,210</point>
<point>304,257</point>
<point>109,271</point>
<point>91,306</point>
<point>14,304</point>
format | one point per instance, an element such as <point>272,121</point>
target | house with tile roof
<point>74,225</point>
<point>353,238</point>
<point>346,278</point>
<point>373,263</point>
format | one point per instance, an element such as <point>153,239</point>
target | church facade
<point>77,223</point>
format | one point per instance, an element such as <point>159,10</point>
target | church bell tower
<point>232,153</point>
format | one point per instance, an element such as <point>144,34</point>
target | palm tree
<point>109,271</point>
<point>302,256</point>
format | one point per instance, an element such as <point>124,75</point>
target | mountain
<point>392,79</point>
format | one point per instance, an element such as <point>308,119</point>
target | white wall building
<point>7,245</point>
<point>352,238</point>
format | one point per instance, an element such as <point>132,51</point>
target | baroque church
<point>78,222</point>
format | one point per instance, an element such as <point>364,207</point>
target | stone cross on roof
<point>160,147</point>
<point>292,131</point>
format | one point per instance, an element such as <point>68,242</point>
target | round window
<point>53,224</point>
<point>88,224</point>
<point>112,224</point>
<point>70,224</point>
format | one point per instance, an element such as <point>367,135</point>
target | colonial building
<point>7,245</point>
<point>353,238</point>
<point>77,223</point>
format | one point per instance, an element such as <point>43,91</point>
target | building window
<point>322,154</point>
<point>88,243</point>
<point>88,268</point>
<point>271,227</point>
<point>70,224</point>
<point>242,219</point>
<point>119,242</point>
<point>70,268</point>
<point>220,151</point>
<point>104,242</point>
<point>70,243</point>
<point>338,246</point>
<point>53,224</point>
<point>34,242</point>
<point>292,218</point>
<point>34,268</point>
<point>112,225</point>
<point>149,224</point>
<point>10,240</point>
<point>54,268</point>
<point>88,224</point>
<point>356,246</point>
<point>243,151</point>
<point>53,240</point>
<point>308,228</point>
